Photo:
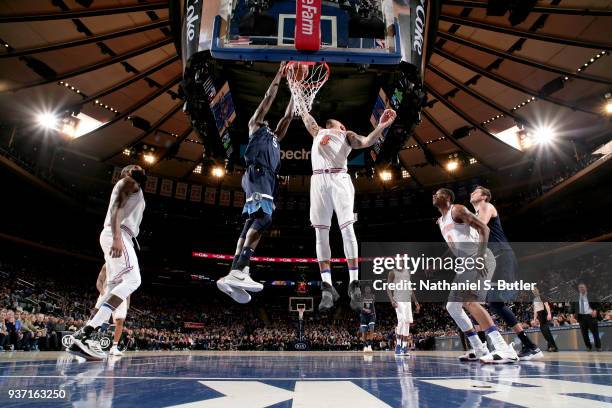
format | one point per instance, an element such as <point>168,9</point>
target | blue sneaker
<point>405,352</point>
<point>398,350</point>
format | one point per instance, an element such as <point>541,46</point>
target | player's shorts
<point>472,276</point>
<point>123,269</point>
<point>329,193</point>
<point>404,312</point>
<point>367,322</point>
<point>259,185</point>
<point>506,269</point>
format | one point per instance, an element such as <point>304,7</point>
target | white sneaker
<point>91,349</point>
<point>505,355</point>
<point>370,349</point>
<point>239,295</point>
<point>114,351</point>
<point>242,280</point>
<point>474,355</point>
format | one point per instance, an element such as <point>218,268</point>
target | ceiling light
<point>544,135</point>
<point>47,120</point>
<point>452,165</point>
<point>198,169</point>
<point>386,175</point>
<point>149,158</point>
<point>218,172</point>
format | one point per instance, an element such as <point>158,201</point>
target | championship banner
<point>181,191</point>
<point>196,193</point>
<point>308,25</point>
<point>210,196</point>
<point>238,198</point>
<point>116,175</point>
<point>166,188</point>
<point>224,198</point>
<point>151,185</point>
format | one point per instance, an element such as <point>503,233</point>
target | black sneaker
<point>528,353</point>
<point>354,293</point>
<point>328,296</point>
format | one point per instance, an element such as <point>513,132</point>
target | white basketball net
<point>301,310</point>
<point>305,90</point>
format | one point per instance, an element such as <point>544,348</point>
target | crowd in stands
<point>36,308</point>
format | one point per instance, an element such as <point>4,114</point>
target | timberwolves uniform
<point>462,240</point>
<point>507,264</point>
<point>368,320</point>
<point>262,158</point>
<point>331,188</point>
<point>402,297</point>
<point>124,268</point>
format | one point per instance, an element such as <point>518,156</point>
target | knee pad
<point>322,241</point>
<point>260,224</point>
<point>455,309</point>
<point>349,239</point>
<point>503,311</point>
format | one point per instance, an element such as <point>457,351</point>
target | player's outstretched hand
<point>283,68</point>
<point>394,304</point>
<point>387,118</point>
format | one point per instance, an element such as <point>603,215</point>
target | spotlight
<point>198,169</point>
<point>473,160</point>
<point>47,120</point>
<point>386,175</point>
<point>609,107</point>
<point>544,135</point>
<point>218,172</point>
<point>149,158</point>
<point>452,165</point>
<point>405,174</point>
<point>127,152</point>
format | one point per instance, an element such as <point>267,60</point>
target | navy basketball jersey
<point>263,150</point>
<point>369,304</point>
<point>496,235</point>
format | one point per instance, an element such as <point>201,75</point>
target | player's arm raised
<point>283,124</point>
<point>127,185</point>
<point>266,102</point>
<point>311,124</point>
<point>361,142</point>
<point>461,214</point>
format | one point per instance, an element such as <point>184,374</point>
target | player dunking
<point>401,302</point>
<point>467,237</point>
<point>117,239</point>
<point>331,190</point>
<point>259,182</point>
<point>506,269</point>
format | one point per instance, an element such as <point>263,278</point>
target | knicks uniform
<point>463,242</point>
<point>403,297</point>
<point>122,273</point>
<point>331,188</point>
<point>263,161</point>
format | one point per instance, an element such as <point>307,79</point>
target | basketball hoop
<point>300,309</point>
<point>304,88</point>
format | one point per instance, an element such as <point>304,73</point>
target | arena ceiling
<point>116,62</point>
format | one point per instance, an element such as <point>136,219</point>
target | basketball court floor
<point>311,379</point>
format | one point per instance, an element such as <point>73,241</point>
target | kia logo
<point>67,340</point>
<point>300,346</point>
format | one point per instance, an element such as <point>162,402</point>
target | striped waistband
<point>129,231</point>
<point>259,196</point>
<point>332,170</point>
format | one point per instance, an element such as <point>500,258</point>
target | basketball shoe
<point>474,354</point>
<point>242,279</point>
<point>328,296</point>
<point>239,295</point>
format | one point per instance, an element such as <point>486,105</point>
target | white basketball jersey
<point>132,211</point>
<point>403,276</point>
<point>330,149</point>
<point>461,238</point>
